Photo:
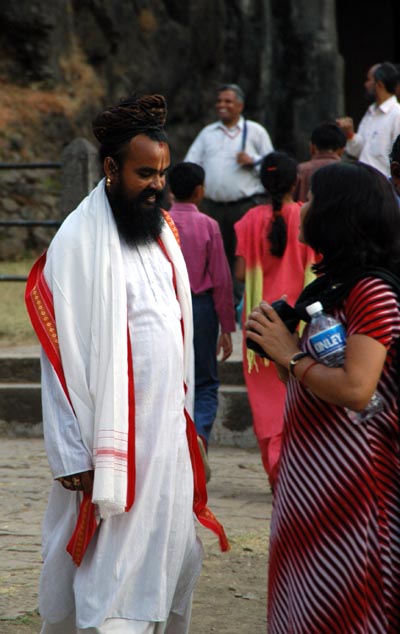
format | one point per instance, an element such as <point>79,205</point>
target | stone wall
<point>26,195</point>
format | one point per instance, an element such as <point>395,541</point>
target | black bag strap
<point>244,139</point>
<point>331,294</point>
<point>244,134</point>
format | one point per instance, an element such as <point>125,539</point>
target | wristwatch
<point>295,359</point>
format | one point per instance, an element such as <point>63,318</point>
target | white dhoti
<point>176,624</point>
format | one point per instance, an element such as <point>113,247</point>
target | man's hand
<point>244,159</point>
<point>225,344</point>
<point>347,125</point>
<point>78,481</point>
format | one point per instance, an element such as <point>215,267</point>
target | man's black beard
<point>137,222</point>
<point>369,97</point>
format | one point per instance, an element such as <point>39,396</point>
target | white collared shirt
<point>215,149</point>
<point>376,134</point>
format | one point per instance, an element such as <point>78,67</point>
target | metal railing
<point>27,223</point>
<point>24,166</point>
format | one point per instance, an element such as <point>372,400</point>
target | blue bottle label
<point>328,341</point>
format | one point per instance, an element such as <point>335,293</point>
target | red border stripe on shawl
<point>202,512</point>
<point>131,475</point>
<point>200,508</point>
<point>85,528</point>
<point>39,303</point>
<point>172,226</point>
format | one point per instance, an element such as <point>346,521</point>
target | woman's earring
<point>108,182</point>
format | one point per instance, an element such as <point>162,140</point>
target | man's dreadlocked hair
<point>138,114</point>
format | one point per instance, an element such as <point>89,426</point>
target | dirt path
<point>230,597</point>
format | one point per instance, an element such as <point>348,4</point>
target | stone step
<point>233,426</point>
<point>20,402</point>
<point>20,399</point>
<point>231,372</point>
<point>18,368</point>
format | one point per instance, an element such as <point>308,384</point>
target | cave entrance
<point>368,33</point>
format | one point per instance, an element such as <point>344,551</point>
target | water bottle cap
<point>316,307</point>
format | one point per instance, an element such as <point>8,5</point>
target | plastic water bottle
<point>327,338</point>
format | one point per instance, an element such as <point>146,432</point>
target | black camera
<point>288,315</point>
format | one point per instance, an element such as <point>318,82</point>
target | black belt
<point>240,201</point>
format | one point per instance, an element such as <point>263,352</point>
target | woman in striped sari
<point>335,534</point>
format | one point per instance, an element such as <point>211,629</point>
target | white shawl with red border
<point>76,298</point>
<point>85,273</point>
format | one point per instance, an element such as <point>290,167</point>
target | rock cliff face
<point>63,60</point>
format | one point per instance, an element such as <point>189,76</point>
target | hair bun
<point>130,117</point>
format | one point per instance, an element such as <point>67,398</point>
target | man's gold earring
<point>108,182</point>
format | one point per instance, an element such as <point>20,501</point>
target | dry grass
<point>15,327</point>
<point>25,104</point>
<point>26,110</point>
<point>28,624</point>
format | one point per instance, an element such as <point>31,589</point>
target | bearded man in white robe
<point>110,302</point>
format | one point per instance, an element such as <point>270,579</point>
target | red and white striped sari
<point>335,535</point>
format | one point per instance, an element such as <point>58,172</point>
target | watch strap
<point>295,359</point>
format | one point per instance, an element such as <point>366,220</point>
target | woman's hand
<point>266,328</point>
<point>283,373</point>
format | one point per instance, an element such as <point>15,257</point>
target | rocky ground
<point>231,593</point>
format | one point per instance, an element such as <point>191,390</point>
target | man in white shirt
<point>111,305</point>
<point>229,151</point>
<point>381,123</point>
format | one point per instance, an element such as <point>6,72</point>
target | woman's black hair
<point>278,173</point>
<point>353,220</point>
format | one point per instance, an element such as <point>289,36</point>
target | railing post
<point>80,172</point>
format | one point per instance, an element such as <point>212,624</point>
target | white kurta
<point>144,563</point>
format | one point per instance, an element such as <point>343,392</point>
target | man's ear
<point>380,88</point>
<point>198,194</point>
<point>110,167</point>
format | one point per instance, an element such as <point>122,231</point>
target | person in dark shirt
<point>327,145</point>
